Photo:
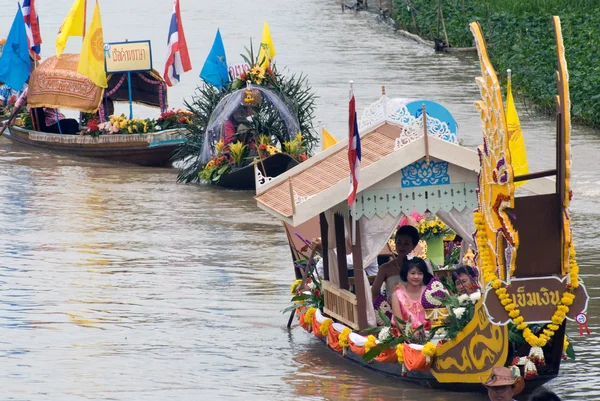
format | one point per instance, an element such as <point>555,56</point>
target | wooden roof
<point>325,173</point>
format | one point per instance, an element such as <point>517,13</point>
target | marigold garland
<point>400,353</point>
<point>308,316</point>
<point>371,342</point>
<point>429,350</point>
<point>489,275</point>
<point>343,337</point>
<point>325,327</point>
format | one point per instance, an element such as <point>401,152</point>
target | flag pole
<point>84,18</point>
<point>353,203</point>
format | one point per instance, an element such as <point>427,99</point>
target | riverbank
<point>521,38</point>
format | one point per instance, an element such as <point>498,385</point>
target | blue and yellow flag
<point>73,25</point>
<point>91,59</point>
<point>267,48</point>
<point>516,144</point>
<point>215,71</point>
<point>15,63</point>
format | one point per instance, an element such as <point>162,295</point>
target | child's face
<point>414,276</point>
<point>404,245</point>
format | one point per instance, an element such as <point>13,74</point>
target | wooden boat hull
<point>243,179</point>
<point>140,149</point>
<point>426,379</point>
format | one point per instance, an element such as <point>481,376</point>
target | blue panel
<point>420,174</point>
<point>436,111</point>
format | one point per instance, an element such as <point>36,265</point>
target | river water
<point>116,283</point>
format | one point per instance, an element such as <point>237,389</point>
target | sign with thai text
<point>236,70</point>
<point>536,298</point>
<point>123,57</point>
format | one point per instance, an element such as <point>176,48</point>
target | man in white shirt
<point>370,269</point>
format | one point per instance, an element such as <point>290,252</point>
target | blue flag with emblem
<point>15,63</point>
<point>215,71</point>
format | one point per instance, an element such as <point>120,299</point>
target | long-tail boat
<point>55,83</point>
<point>530,286</point>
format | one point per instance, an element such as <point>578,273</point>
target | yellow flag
<point>327,139</point>
<point>91,59</point>
<point>267,49</point>
<point>516,142</point>
<point>71,26</point>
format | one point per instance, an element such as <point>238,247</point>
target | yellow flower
<point>400,353</point>
<point>343,337</point>
<point>296,283</point>
<point>429,349</point>
<point>565,344</point>
<point>515,313</point>
<point>219,146</point>
<point>308,316</point>
<point>299,137</point>
<point>371,342</point>
<point>211,164</point>
<point>325,327</point>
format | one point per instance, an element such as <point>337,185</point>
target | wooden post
<point>444,25</point>
<point>325,244</point>
<point>292,196</point>
<point>359,280</point>
<point>425,135</point>
<point>340,244</point>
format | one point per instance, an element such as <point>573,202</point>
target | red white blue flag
<point>32,25</point>
<point>178,60</point>
<point>354,153</point>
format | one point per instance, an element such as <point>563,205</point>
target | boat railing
<point>340,304</point>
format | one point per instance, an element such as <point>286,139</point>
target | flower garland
<point>429,350</point>
<point>400,353</point>
<point>308,316</point>
<point>343,337</point>
<point>489,275</point>
<point>325,327</point>
<point>371,342</point>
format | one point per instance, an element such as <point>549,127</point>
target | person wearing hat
<point>503,384</point>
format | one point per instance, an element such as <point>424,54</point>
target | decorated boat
<point>528,284</point>
<point>57,84</point>
<point>251,114</point>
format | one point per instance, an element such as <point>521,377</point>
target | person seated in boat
<point>406,300</point>
<point>370,269</point>
<point>52,121</point>
<point>406,239</point>
<point>465,279</point>
<point>236,127</point>
<point>503,384</point>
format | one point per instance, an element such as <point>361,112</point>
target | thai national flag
<point>32,25</point>
<point>354,154</point>
<point>178,60</point>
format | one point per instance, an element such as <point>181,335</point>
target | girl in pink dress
<point>406,302</point>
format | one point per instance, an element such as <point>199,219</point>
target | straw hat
<point>502,376</point>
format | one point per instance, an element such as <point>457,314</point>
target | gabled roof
<point>322,181</point>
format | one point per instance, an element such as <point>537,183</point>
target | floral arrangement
<point>307,293</point>
<point>255,75</point>
<point>174,119</point>
<point>120,125</point>
<point>295,148</point>
<point>433,227</point>
<point>461,309</point>
<point>390,336</point>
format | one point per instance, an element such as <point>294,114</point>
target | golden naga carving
<point>563,104</point>
<point>479,347</point>
<point>498,241</point>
